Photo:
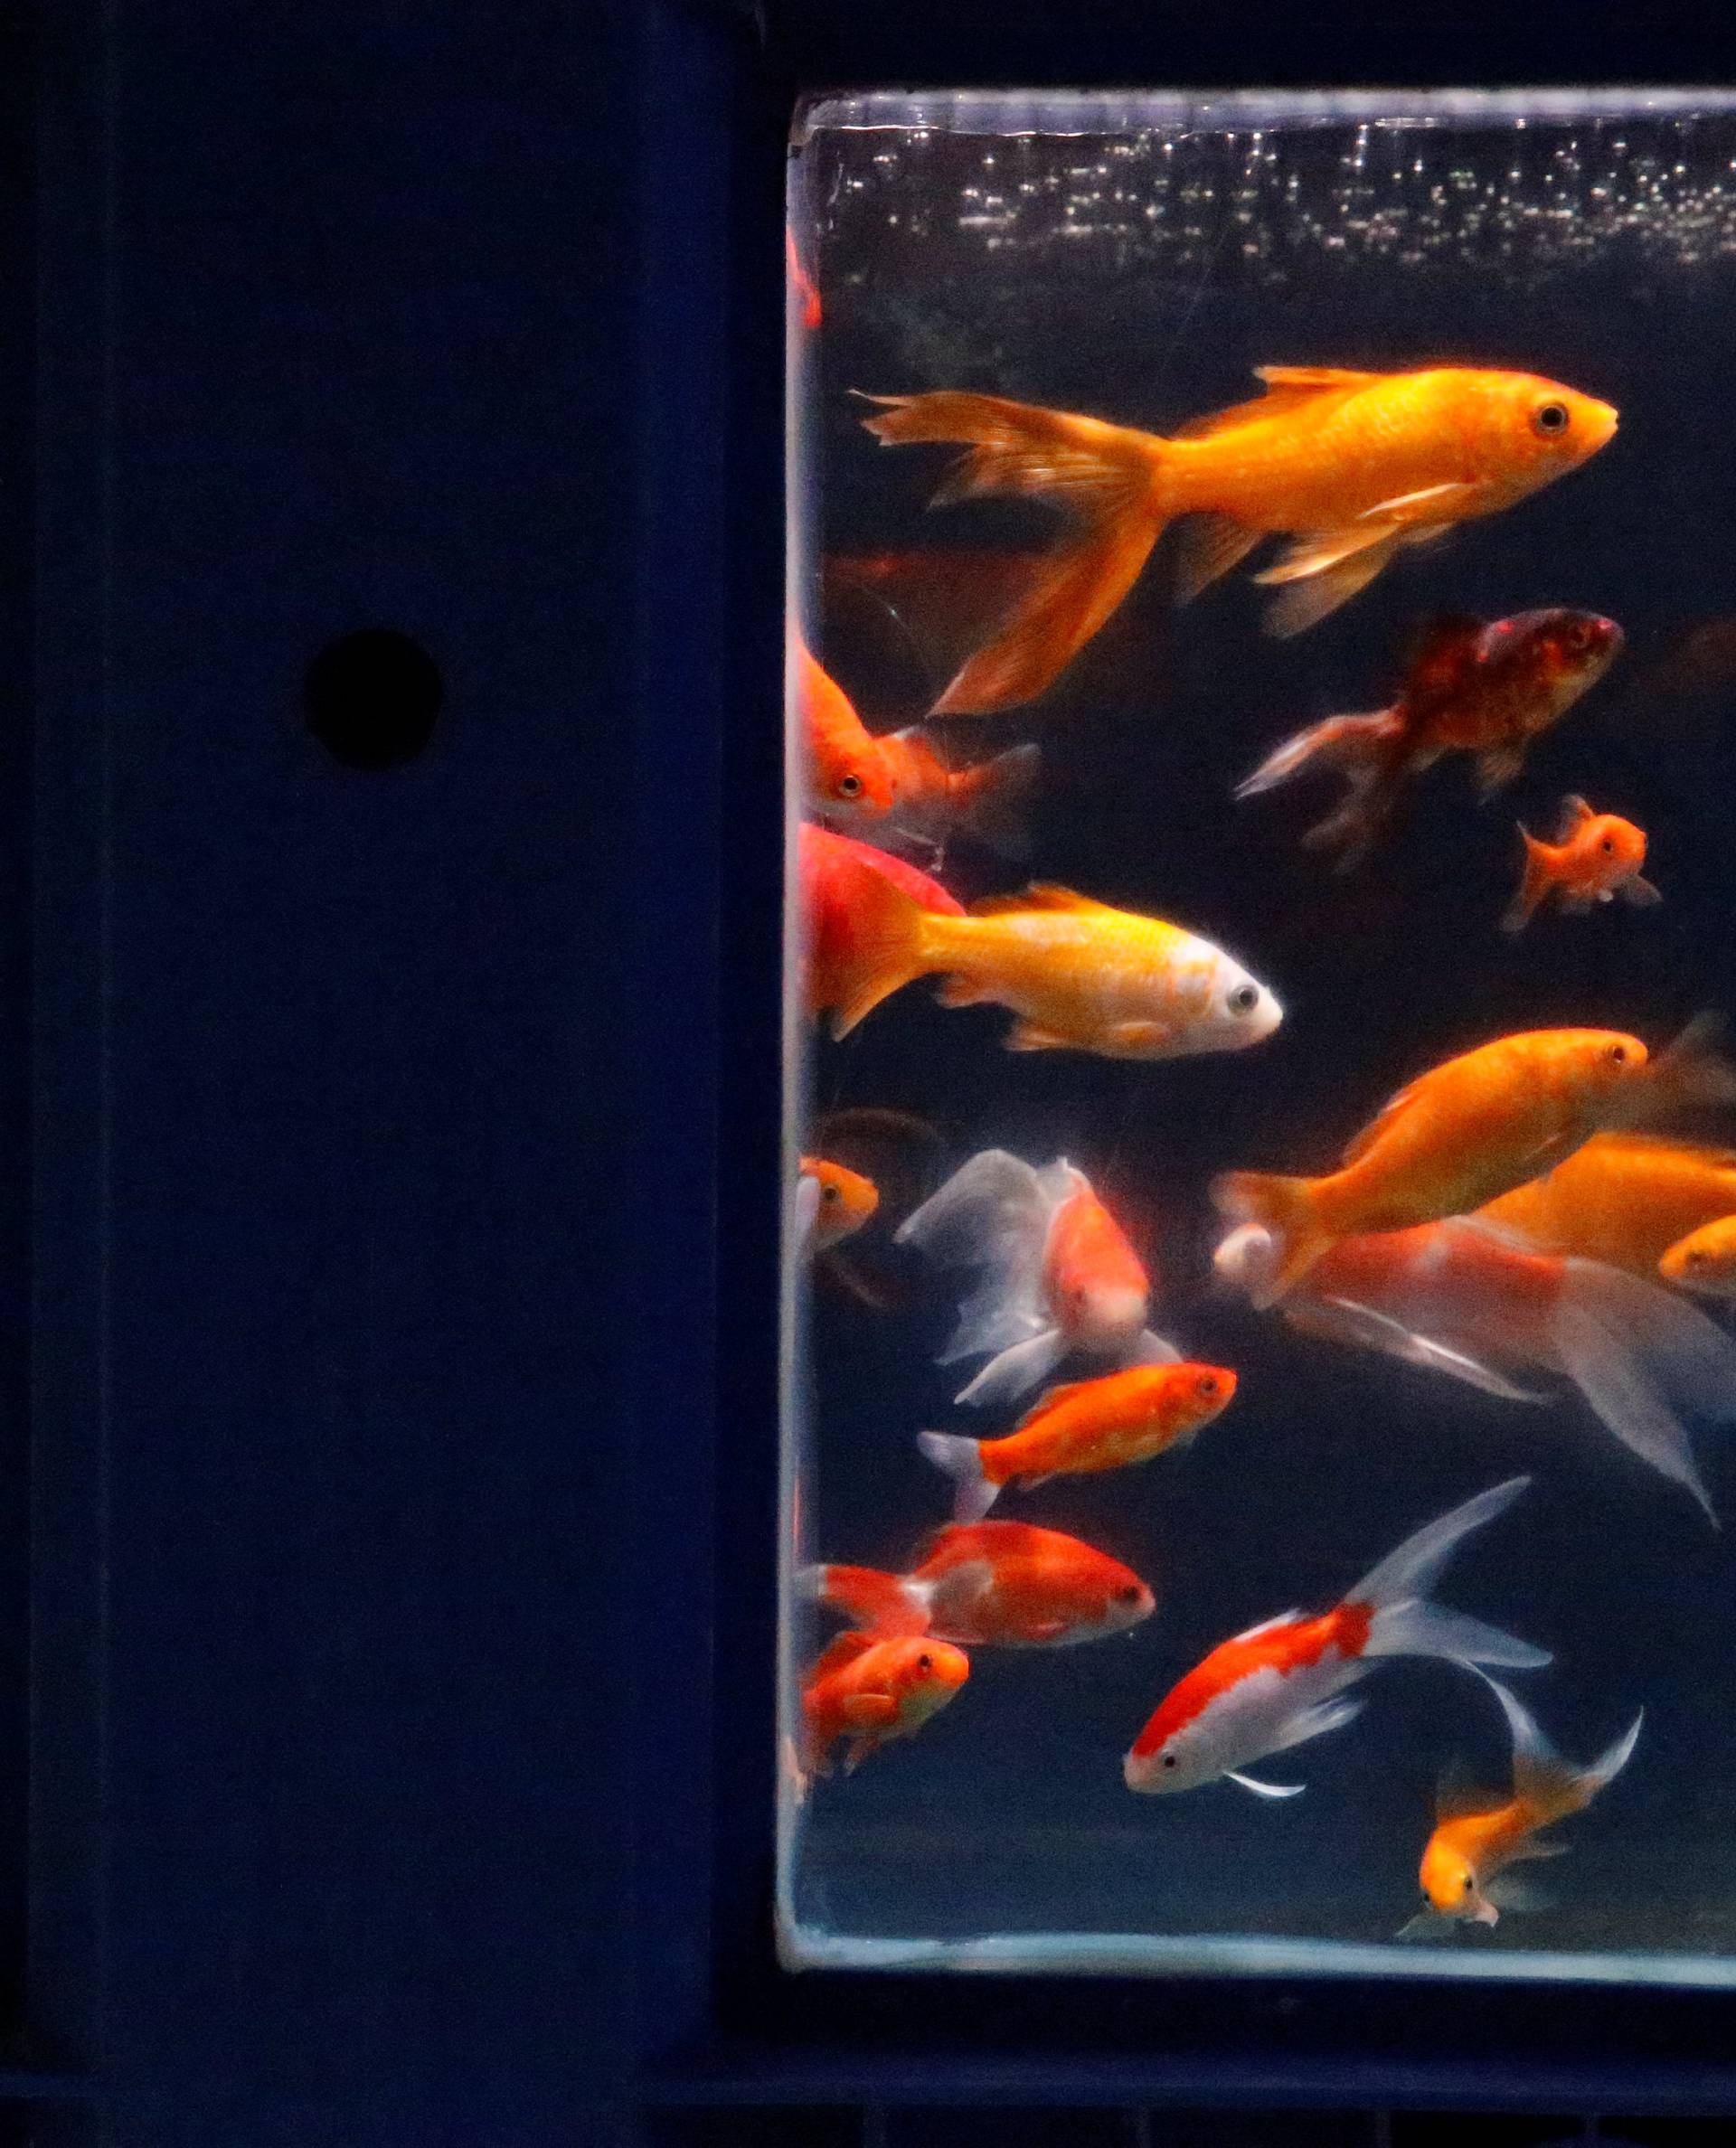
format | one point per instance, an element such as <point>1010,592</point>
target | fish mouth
<point>1602,420</point>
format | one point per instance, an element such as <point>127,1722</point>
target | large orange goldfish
<point>1479,1838</point>
<point>1353,464</point>
<point>1079,976</point>
<point>1624,1198</point>
<point>1457,1136</point>
<point>1083,1429</point>
<point>871,1691</point>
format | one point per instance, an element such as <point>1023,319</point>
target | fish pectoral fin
<point>1427,1924</point>
<point>1047,1629</point>
<point>1209,546</point>
<point>859,1750</point>
<point>1295,609</point>
<point>1152,1350</point>
<point>1640,893</point>
<point>1314,1722</point>
<point>1423,506</point>
<point>869,1712</point>
<point>1507,1891</point>
<point>1259,1789</point>
<point>1496,768</point>
<point>962,991</point>
<point>1139,1039</point>
<point>1032,1036</point>
<point>1317,552</point>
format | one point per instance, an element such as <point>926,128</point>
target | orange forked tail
<point>1107,477</point>
<point>883,1604</point>
<point>1285,1208</point>
<point>1535,884</point>
<point>890,935</point>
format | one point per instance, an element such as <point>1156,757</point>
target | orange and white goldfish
<point>1594,858</point>
<point>992,1583</point>
<point>1079,976</point>
<point>1353,465</point>
<point>847,776</point>
<point>1455,1138</point>
<point>1461,1298</point>
<point>935,797</point>
<point>871,1691</point>
<point>1484,690</point>
<point>1478,1838</point>
<point>1281,1681</point>
<point>832,1203</point>
<point>1057,1273</point>
<point>1705,1260</point>
<point>1083,1429</point>
<point>832,870</point>
<point>1625,1199</point>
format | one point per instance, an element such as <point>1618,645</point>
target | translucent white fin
<point>1427,1924</point>
<point>1259,1789</point>
<point>1353,1323</point>
<point>1416,1627</point>
<point>962,1461</point>
<point>1689,1356</point>
<point>1016,1371</point>
<point>1626,1399</point>
<point>1152,1350</point>
<point>994,1214</point>
<point>1420,1560</point>
<point>1313,1722</point>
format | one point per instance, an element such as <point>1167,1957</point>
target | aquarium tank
<point>1258,1380</point>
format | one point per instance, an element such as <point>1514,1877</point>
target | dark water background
<point>1601,252</point>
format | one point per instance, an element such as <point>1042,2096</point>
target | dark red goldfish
<point>1484,690</point>
<point>833,870</point>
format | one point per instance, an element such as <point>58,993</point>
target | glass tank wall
<point>1262,670</point>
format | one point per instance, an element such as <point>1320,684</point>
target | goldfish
<point>1461,1298</point>
<point>992,1583</point>
<point>833,1204</point>
<point>1625,1199</point>
<point>1484,690</point>
<point>1594,858</point>
<point>847,776</point>
<point>833,870</point>
<point>1456,1137</point>
<point>1283,1682</point>
<point>1081,1430</point>
<point>1058,1273</point>
<point>1353,465</point>
<point>1079,976</point>
<point>934,796</point>
<point>1704,1260</point>
<point>1477,1839</point>
<point>871,1691</point>
<point>800,284</point>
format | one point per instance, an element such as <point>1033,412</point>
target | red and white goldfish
<point>832,1203</point>
<point>847,776</point>
<point>1281,1682</point>
<point>1478,1838</point>
<point>992,1583</point>
<point>871,1691</point>
<point>1083,1429</point>
<point>1594,858</point>
<point>1484,690</point>
<point>1625,1199</point>
<point>1705,1261</point>
<point>1453,1138</point>
<point>1079,976</point>
<point>1461,1298</point>
<point>833,869</point>
<point>1057,1273</point>
<point>1353,465</point>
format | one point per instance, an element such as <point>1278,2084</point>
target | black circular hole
<point>370,698</point>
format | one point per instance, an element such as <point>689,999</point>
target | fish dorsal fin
<point>1575,813</point>
<point>1051,1396</point>
<point>1270,1625</point>
<point>845,1650</point>
<point>1441,653</point>
<point>1458,1793</point>
<point>1288,388</point>
<point>1041,895</point>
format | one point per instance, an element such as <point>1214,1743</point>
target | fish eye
<point>1208,1385</point>
<point>1696,1260</point>
<point>925,1662</point>
<point>1609,845</point>
<point>1617,1055</point>
<point>1244,999</point>
<point>1129,1595</point>
<point>828,1192</point>
<point>1469,1882</point>
<point>1169,1759</point>
<point>1550,420</point>
<point>849,787</point>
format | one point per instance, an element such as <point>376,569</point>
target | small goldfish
<point>1083,1429</point>
<point>848,773</point>
<point>1625,1199</point>
<point>992,1583</point>
<point>1058,1273</point>
<point>1353,464</point>
<point>1461,1298</point>
<point>1453,1139</point>
<point>1594,858</point>
<point>832,870</point>
<point>935,795</point>
<point>1705,1260</point>
<point>1483,690</point>
<point>872,1690</point>
<point>1079,976</point>
<point>800,284</point>
<point>832,1203</point>
<point>1477,1839</point>
<point>1280,1682</point>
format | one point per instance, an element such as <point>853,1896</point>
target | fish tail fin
<point>993,1214</point>
<point>962,1460</point>
<point>877,1603</point>
<point>888,947</point>
<point>1533,884</point>
<point>1109,480</point>
<point>1286,1209</point>
<point>1000,793</point>
<point>1403,1621</point>
<point>1646,1361</point>
<point>1551,1786</point>
<point>1343,742</point>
